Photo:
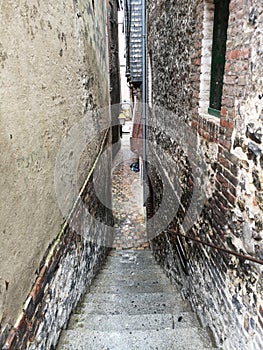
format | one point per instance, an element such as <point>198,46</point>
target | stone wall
<point>225,290</point>
<point>54,73</point>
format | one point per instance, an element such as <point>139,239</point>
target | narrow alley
<point>128,209</point>
<point>131,187</point>
<point>131,304</point>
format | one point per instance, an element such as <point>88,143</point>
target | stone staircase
<point>132,305</point>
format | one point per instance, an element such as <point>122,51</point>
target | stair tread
<point>133,322</point>
<point>132,309</point>
<point>131,269</point>
<point>140,277</point>
<point>134,288</point>
<point>157,278</point>
<point>179,339</point>
<point>125,298</point>
<point>133,303</point>
<point>131,252</point>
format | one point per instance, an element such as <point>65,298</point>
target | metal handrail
<point>225,250</point>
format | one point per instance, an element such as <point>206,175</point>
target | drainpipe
<point>106,5</point>
<point>144,86</point>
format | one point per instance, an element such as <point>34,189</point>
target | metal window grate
<point>133,17</point>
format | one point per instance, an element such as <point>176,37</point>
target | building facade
<point>205,159</point>
<point>55,124</point>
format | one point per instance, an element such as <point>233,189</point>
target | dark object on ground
<point>135,167</point>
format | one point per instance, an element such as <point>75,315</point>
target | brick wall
<point>225,290</point>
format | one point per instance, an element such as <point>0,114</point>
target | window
<point>206,54</point>
<point>221,15</point>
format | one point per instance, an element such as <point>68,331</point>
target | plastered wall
<point>53,71</point>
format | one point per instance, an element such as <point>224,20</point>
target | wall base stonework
<point>57,291</point>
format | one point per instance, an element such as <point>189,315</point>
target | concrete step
<point>131,271</point>
<point>124,298</point>
<point>134,288</point>
<point>108,279</point>
<point>113,262</point>
<point>124,282</point>
<point>131,265</point>
<point>131,252</point>
<point>168,339</point>
<point>133,322</point>
<point>131,259</point>
<point>129,304</point>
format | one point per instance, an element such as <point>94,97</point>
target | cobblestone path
<point>128,210</point>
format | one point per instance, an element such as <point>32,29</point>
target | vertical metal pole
<point>107,50</point>
<point>144,85</point>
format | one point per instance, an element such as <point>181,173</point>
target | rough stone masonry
<point>225,290</point>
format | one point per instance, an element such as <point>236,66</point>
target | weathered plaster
<point>53,71</point>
